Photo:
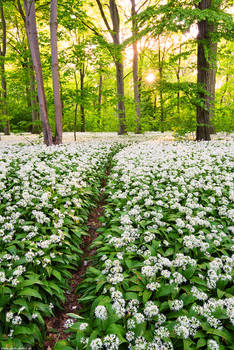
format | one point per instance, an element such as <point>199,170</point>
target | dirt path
<point>55,325</point>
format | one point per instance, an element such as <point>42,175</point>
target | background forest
<point>149,48</point>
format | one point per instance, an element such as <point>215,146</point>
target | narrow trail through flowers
<point>57,325</point>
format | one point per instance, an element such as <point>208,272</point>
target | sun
<point>150,78</point>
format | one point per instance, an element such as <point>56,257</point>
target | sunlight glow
<point>150,78</point>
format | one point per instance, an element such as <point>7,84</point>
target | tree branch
<point>21,11</point>
<point>103,16</point>
<point>3,51</point>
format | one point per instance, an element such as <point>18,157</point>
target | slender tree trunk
<point>155,106</point>
<point>76,107</point>
<point>120,93</point>
<point>3,73</point>
<point>28,95</point>
<point>118,59</point>
<point>61,95</point>
<point>118,56</point>
<point>100,99</point>
<point>135,69</point>
<point>31,27</point>
<point>33,95</point>
<point>178,81</point>
<point>225,89</point>
<point>55,72</point>
<point>160,65</point>
<point>206,74</point>
<point>34,103</point>
<point>82,109</point>
<point>140,75</point>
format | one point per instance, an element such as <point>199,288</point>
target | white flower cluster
<point>186,327</point>
<point>109,342</point>
<point>101,312</point>
<point>69,323</point>
<point>170,213</point>
<point>42,191</point>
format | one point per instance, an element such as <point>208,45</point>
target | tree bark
<point>100,99</point>
<point>118,59</point>
<point>225,89</point>
<point>34,103</point>
<point>135,69</point>
<point>178,81</point>
<point>82,109</point>
<point>76,107</point>
<point>55,72</point>
<point>120,93</point>
<point>206,74</point>
<point>31,28</point>
<point>3,73</point>
<point>33,96</point>
<point>160,68</point>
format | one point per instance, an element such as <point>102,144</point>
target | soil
<point>55,325</point>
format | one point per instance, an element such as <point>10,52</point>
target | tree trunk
<point>135,69</point>
<point>3,73</point>
<point>140,75</point>
<point>31,78</point>
<point>76,108</point>
<point>82,109</point>
<point>55,72</point>
<point>206,74</point>
<point>31,28</point>
<point>34,103</point>
<point>118,59</point>
<point>160,65</point>
<point>178,82</point>
<point>100,99</point>
<point>120,93</point>
<point>225,89</point>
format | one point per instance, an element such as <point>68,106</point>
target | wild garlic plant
<point>45,197</point>
<point>165,251</point>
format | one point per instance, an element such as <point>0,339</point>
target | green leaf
<point>136,289</point>
<point>199,281</point>
<point>62,345</point>
<point>89,297</point>
<point>187,344</point>
<point>146,295</point>
<point>201,342</point>
<point>75,316</point>
<point>188,273</point>
<point>165,290</point>
<point>140,329</point>
<point>57,274</point>
<point>22,330</point>
<point>94,271</point>
<point>169,252</point>
<point>188,299</point>
<point>36,332</point>
<point>130,295</point>
<point>221,333</point>
<point>118,330</point>
<point>29,282</point>
<point>220,293</point>
<point>29,292</point>
<point>22,302</point>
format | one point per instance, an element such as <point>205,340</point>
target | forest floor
<point>56,326</point>
<point>142,183</point>
<point>68,137</point>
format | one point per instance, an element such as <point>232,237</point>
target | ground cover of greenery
<point>45,197</point>
<point>163,278</point>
